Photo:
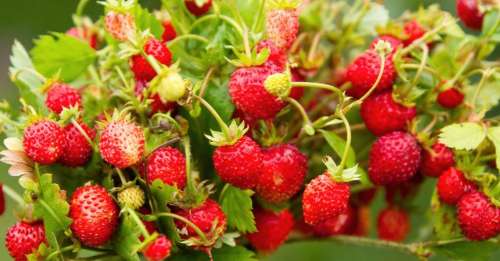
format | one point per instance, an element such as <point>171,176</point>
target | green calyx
<point>284,4</point>
<point>279,84</point>
<point>383,48</point>
<point>120,6</point>
<point>341,175</point>
<point>251,59</point>
<point>227,137</point>
<point>131,197</point>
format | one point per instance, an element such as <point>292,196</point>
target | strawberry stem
<point>188,37</point>
<point>318,85</point>
<point>347,146</point>
<point>81,6</point>
<point>11,193</point>
<point>486,74</point>
<point>123,180</point>
<point>308,126</point>
<point>84,134</point>
<point>187,222</point>
<point>205,82</point>
<point>220,121</point>
<point>60,251</point>
<point>190,188</point>
<point>423,62</point>
<point>138,221</point>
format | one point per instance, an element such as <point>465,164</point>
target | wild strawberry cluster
<point>220,128</point>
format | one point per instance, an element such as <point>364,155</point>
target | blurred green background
<point>24,20</point>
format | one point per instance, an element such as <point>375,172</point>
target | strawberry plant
<point>222,130</point>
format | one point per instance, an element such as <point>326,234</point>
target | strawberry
<point>277,57</point>
<point>478,218</point>
<point>122,143</point>
<point>120,25</point>
<point>62,96</point>
<point>44,141</point>
<point>249,95</point>
<point>283,171</point>
<point>324,199</point>
<point>23,239</point>
<point>272,229</point>
<point>363,72</point>
<point>131,197</point>
<point>76,148</point>
<point>159,249</point>
<point>84,34</point>
<point>168,165</point>
<point>436,160</point>
<point>394,158</point>
<point>169,32</point>
<point>208,217</point>
<point>413,31</point>
<point>157,105</point>
<point>468,11</point>
<point>450,98</point>
<point>2,200</point>
<point>94,214</point>
<point>382,114</point>
<point>239,164</point>
<point>196,9</point>
<point>282,26</point>
<point>345,223</point>
<point>393,41</point>
<point>393,224</point>
<point>140,65</point>
<point>452,185</point>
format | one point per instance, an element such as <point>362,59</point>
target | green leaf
<point>145,20</point>
<point>491,24</point>
<point>462,136</point>
<point>52,208</point>
<point>470,250</point>
<point>62,53</point>
<point>443,219</point>
<point>237,205</point>
<point>218,96</point>
<point>27,82</point>
<point>494,136</point>
<point>126,240</point>
<point>488,96</point>
<point>164,194</point>
<point>338,145</point>
<point>225,253</point>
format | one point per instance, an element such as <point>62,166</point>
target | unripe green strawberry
<point>131,197</point>
<point>171,87</point>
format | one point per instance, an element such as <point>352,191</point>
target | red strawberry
<point>468,11</point>
<point>84,34</point>
<point>140,65</point>
<point>168,165</point>
<point>248,93</point>
<point>478,218</point>
<point>76,148</point>
<point>450,98</point>
<point>382,114</point>
<point>363,72</point>
<point>272,229</point>
<point>393,41</point>
<point>122,144</point>
<point>452,185</point>
<point>324,199</point>
<point>208,217</point>
<point>394,158</point>
<point>393,224</point>
<point>159,249</point>
<point>94,214</point>
<point>197,10</point>
<point>437,160</point>
<point>23,239</point>
<point>277,57</point>
<point>169,32</point>
<point>44,141</point>
<point>283,171</point>
<point>414,31</point>
<point>239,164</point>
<point>120,26</point>
<point>62,96</point>
<point>157,105</point>
<point>345,223</point>
<point>2,200</point>
<point>282,26</point>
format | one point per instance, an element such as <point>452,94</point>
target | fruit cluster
<point>201,128</point>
